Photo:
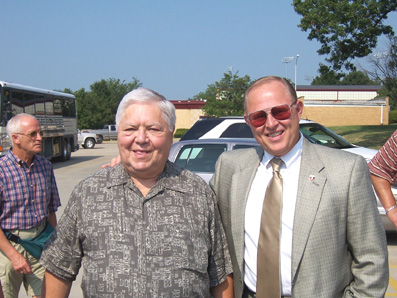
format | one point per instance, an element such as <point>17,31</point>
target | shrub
<point>180,132</point>
<point>393,117</point>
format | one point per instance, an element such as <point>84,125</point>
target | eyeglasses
<point>280,112</point>
<point>32,134</point>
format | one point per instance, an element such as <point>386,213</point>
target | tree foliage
<point>384,69</point>
<point>226,97</point>
<point>330,77</point>
<point>327,76</point>
<point>346,29</point>
<point>98,107</point>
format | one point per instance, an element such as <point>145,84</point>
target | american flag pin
<point>312,177</point>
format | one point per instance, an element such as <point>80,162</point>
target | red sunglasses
<point>280,112</point>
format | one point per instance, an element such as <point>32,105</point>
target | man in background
<point>383,168</point>
<point>29,199</point>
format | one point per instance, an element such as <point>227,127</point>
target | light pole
<point>287,60</point>
<point>296,68</point>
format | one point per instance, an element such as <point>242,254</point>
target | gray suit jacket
<point>339,246</point>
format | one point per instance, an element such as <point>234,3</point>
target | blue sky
<point>174,47</point>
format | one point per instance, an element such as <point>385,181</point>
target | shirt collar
<point>288,158</point>
<point>170,178</point>
<point>19,161</point>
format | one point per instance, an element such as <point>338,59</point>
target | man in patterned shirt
<point>28,200</point>
<point>144,228</point>
<point>383,168</point>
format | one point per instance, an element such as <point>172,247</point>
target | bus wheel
<point>66,150</point>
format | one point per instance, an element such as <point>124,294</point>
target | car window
<point>200,158</point>
<point>243,146</point>
<point>321,135</point>
<point>237,130</point>
<point>200,128</point>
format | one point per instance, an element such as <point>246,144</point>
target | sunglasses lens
<point>281,112</point>
<point>258,118</point>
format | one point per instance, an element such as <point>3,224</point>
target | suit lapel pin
<point>312,177</point>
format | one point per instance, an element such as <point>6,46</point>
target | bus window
<point>57,106</point>
<point>49,106</point>
<point>40,106</point>
<point>28,101</point>
<point>68,107</point>
<point>16,102</point>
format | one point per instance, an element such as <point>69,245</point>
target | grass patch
<point>371,136</point>
<point>180,132</point>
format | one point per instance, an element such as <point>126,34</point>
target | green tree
<point>346,29</point>
<point>226,97</point>
<point>98,106</point>
<point>357,78</point>
<point>330,77</point>
<point>327,76</point>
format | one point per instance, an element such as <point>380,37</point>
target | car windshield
<point>200,128</point>
<point>237,130</point>
<point>201,157</point>
<point>321,135</point>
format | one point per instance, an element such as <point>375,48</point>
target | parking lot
<point>86,161</point>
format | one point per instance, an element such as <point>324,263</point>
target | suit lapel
<point>311,184</point>
<point>241,185</point>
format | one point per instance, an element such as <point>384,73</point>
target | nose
<point>141,136</point>
<point>271,121</point>
<point>39,137</point>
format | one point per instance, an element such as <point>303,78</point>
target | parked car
<point>235,127</point>
<point>86,139</point>
<point>200,156</point>
<point>107,133</point>
<point>204,131</point>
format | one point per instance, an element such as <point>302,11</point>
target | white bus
<point>56,112</point>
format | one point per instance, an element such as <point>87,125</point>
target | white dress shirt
<point>253,212</point>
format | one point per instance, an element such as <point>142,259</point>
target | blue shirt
<point>27,193</point>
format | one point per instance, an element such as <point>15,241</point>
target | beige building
<point>187,112</point>
<point>344,105</point>
<point>328,105</point>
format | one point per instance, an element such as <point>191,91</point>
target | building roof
<point>338,87</point>
<point>188,104</point>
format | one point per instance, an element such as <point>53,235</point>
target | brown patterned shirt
<point>168,244</point>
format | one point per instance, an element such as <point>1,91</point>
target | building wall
<point>187,112</point>
<point>339,114</point>
<point>337,95</point>
<point>327,105</point>
<point>342,115</point>
<point>185,118</point>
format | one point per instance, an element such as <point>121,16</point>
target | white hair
<point>14,124</point>
<point>146,95</point>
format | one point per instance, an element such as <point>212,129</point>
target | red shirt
<point>384,163</point>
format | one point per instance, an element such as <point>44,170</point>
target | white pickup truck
<point>107,133</point>
<point>87,140</point>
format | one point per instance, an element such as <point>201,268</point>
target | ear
<point>246,119</point>
<point>299,107</point>
<point>15,139</point>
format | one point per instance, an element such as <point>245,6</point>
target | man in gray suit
<point>332,243</point>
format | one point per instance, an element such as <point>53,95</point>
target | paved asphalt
<point>87,161</point>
